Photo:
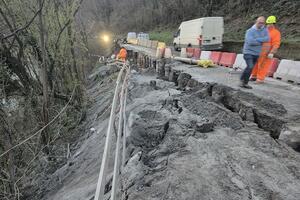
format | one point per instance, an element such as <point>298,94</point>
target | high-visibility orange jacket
<point>122,54</point>
<point>262,66</point>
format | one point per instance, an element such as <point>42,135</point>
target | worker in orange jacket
<point>269,48</point>
<point>122,54</point>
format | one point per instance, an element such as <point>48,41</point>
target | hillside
<point>161,19</point>
<point>192,132</point>
<point>142,15</point>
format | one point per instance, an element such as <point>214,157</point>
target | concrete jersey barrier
<point>154,44</point>
<point>240,62</point>
<point>288,70</point>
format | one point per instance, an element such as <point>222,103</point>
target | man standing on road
<point>255,37</point>
<point>269,48</point>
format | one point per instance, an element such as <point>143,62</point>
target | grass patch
<point>162,35</point>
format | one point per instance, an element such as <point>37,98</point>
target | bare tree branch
<point>26,26</point>
<point>67,23</point>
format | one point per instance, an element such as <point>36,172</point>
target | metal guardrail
<point>99,195</point>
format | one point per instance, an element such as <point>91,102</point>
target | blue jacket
<point>254,39</point>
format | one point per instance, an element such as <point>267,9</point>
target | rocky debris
<point>133,171</point>
<point>204,127</point>
<point>290,134</point>
<point>183,80</point>
<point>188,140</point>
<point>145,133</point>
<point>198,144</point>
<point>268,114</point>
<point>153,84</point>
<point>161,68</point>
<point>103,72</point>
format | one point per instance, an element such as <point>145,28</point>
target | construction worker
<point>269,48</point>
<point>254,38</point>
<point>122,54</point>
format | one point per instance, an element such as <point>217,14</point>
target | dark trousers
<point>250,61</point>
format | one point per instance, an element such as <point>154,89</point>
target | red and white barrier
<point>205,55</point>
<point>183,53</point>
<point>215,56</point>
<point>227,59</point>
<point>286,70</point>
<point>168,53</point>
<point>189,52</point>
<point>197,53</point>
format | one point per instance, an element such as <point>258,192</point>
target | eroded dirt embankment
<point>191,140</point>
<point>187,140</point>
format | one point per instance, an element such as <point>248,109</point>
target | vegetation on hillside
<point>147,15</point>
<point>42,64</point>
<point>164,35</point>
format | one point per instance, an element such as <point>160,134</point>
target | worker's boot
<point>245,85</point>
<point>259,81</point>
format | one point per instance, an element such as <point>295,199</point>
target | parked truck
<point>205,33</point>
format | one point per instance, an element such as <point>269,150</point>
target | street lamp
<point>105,38</point>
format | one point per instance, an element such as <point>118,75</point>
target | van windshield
<point>178,33</point>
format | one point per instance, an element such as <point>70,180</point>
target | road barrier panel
<point>189,52</point>
<point>197,53</point>
<point>168,53</point>
<point>289,71</point>
<point>273,67</point>
<point>215,56</point>
<point>183,53</point>
<point>154,44</point>
<point>240,63</point>
<point>205,55</point>
<point>227,59</point>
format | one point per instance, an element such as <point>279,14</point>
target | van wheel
<point>175,47</point>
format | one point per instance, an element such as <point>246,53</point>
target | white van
<point>205,33</point>
<point>131,38</point>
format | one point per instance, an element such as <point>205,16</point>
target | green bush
<point>162,36</point>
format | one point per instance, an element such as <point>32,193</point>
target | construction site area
<point>192,133</point>
<point>155,103</point>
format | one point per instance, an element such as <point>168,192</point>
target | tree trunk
<point>45,134</point>
<point>7,144</point>
<point>16,66</point>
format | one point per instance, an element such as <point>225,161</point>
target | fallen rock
<point>205,127</point>
<point>291,135</point>
<point>183,80</point>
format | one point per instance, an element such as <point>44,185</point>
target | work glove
<point>270,55</point>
